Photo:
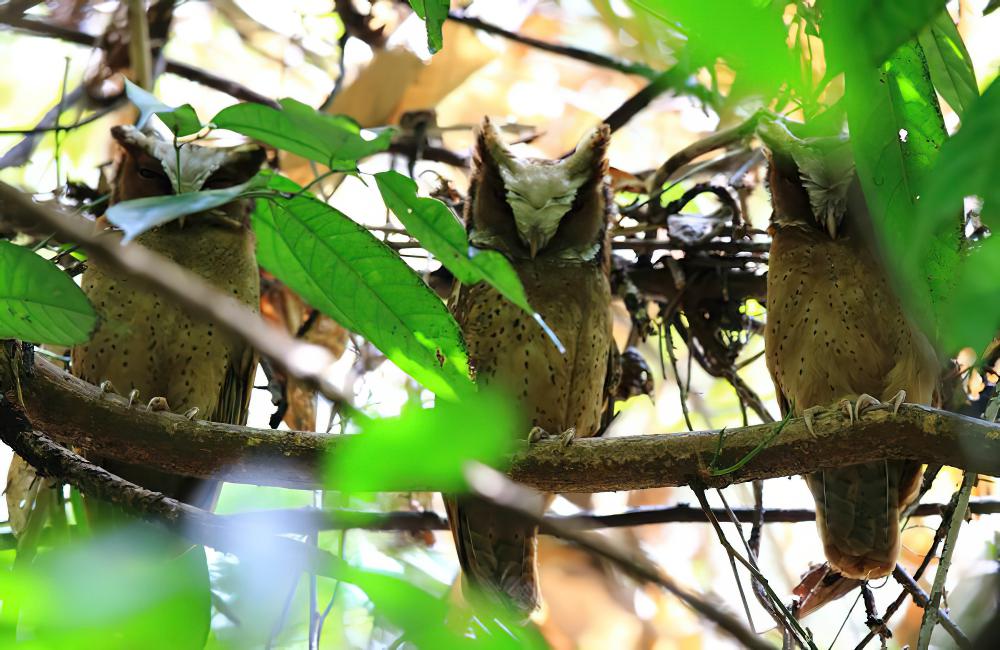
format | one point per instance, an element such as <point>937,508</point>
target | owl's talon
<point>848,409</point>
<point>807,417</point>
<point>567,437</point>
<point>132,396</point>
<point>864,403</point>
<point>158,404</point>
<point>107,387</point>
<point>897,401</point>
<point>537,433</point>
<point>191,412</point>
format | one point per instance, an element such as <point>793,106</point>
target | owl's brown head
<point>809,176</point>
<point>151,166</point>
<point>527,208</point>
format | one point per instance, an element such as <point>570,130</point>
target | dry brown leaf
<point>396,81</point>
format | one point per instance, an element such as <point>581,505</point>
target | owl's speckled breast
<point>508,349</point>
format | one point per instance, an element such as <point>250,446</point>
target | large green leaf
<point>896,132</point>
<point>434,225</point>
<point>332,140</point>
<point>949,63</point>
<point>428,447</point>
<point>434,13</point>
<point>139,215</point>
<point>969,164</point>
<point>181,120</point>
<point>345,272</point>
<point>867,32</point>
<point>40,303</point>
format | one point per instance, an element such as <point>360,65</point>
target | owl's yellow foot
<point>107,387</point>
<point>191,412</point>
<point>132,396</point>
<point>538,433</point>
<point>866,402</point>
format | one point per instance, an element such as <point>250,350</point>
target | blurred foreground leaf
<point>341,269</point>
<point>896,132</point>
<point>949,63</point>
<point>40,303</point>
<point>428,447</point>
<point>969,164</point>
<point>137,588</point>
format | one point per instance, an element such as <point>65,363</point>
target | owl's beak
<point>535,241</point>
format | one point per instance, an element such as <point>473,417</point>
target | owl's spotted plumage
<point>146,342</point>
<point>550,219</point>
<point>835,330</point>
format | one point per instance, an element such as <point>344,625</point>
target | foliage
<point>40,303</point>
<point>340,268</point>
<point>386,447</point>
<point>896,59</point>
<point>434,13</point>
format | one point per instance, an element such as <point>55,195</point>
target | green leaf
<point>332,140</point>
<point>127,590</point>
<point>438,231</point>
<point>139,215</point>
<point>181,120</point>
<point>345,272</point>
<point>896,132</point>
<point>867,32</point>
<point>749,36</point>
<point>969,164</point>
<point>40,303</point>
<point>383,456</point>
<point>949,63</point>
<point>991,7</point>
<point>434,13</point>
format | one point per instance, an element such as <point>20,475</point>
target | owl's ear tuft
<point>241,164</point>
<point>490,145</point>
<point>591,153</point>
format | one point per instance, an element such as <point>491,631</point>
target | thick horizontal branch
<point>74,412</point>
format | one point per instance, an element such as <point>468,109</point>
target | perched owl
<point>144,341</point>
<point>550,219</point>
<point>836,331</point>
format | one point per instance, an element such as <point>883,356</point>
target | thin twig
<point>920,598</point>
<point>931,613</point>
<point>593,58</point>
<point>800,635</point>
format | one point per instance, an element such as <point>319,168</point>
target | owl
<point>550,219</point>
<point>836,333</point>
<point>146,343</point>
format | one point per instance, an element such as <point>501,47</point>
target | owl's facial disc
<point>539,197</point>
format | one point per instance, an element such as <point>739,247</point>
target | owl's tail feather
<point>498,555</point>
<point>858,512</point>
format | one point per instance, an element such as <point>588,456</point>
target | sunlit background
<point>290,49</point>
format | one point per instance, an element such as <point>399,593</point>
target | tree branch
<point>74,412</point>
